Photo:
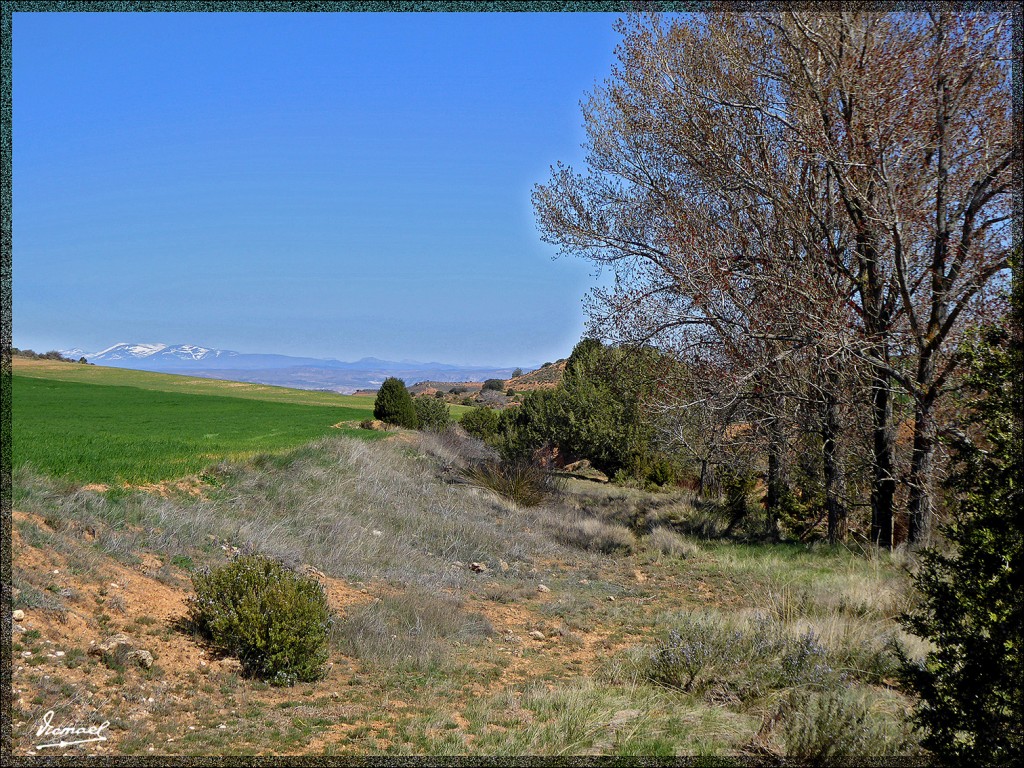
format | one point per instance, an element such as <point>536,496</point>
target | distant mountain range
<point>279,370</point>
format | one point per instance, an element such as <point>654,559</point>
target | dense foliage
<point>275,621</point>
<point>972,684</point>
<point>394,404</point>
<point>481,422</point>
<point>432,414</point>
<point>496,384</point>
<point>596,413</point>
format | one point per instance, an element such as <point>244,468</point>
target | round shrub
<point>432,414</point>
<point>481,422</point>
<point>394,404</point>
<point>275,621</point>
<point>496,384</point>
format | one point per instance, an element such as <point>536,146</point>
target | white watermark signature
<point>67,734</point>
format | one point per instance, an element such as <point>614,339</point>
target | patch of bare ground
<point>189,691</point>
<point>191,700</point>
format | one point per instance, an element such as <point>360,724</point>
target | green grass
<point>165,382</point>
<point>102,433</point>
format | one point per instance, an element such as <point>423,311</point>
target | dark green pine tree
<point>394,404</point>
<point>972,698</point>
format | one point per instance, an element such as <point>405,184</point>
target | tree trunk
<point>921,462</point>
<point>883,491</point>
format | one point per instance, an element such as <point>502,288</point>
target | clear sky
<point>334,185</point>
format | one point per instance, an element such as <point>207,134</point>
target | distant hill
<point>545,377</point>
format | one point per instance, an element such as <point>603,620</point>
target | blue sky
<point>335,185</point>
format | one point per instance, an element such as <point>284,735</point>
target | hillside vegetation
<point>462,623</point>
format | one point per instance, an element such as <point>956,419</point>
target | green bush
<point>596,413</point>
<point>481,422</point>
<point>275,621</point>
<point>737,485</point>
<point>661,473</point>
<point>496,384</point>
<point>971,685</point>
<point>432,414</point>
<point>394,404</point>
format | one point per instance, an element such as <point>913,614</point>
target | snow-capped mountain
<point>156,354</point>
<point>279,370</point>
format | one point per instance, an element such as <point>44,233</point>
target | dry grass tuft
<point>667,542</point>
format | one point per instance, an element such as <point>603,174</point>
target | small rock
<point>143,658</point>
<point>611,598</point>
<point>58,654</point>
<point>26,654</point>
<point>542,588</point>
<point>537,635</point>
<point>121,649</point>
<point>478,567</point>
<point>18,615</point>
<point>375,532</point>
<point>503,565</point>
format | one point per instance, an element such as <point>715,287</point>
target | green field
<point>159,427</point>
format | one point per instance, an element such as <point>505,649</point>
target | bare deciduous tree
<point>788,194</point>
